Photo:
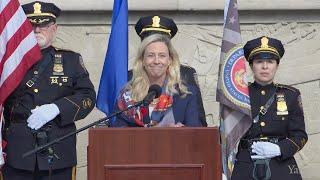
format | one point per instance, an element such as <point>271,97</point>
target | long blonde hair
<point>139,84</point>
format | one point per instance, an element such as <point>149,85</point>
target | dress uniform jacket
<point>283,124</point>
<point>64,82</point>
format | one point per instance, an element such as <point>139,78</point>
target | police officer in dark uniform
<point>267,150</point>
<point>163,25</point>
<point>54,94</point>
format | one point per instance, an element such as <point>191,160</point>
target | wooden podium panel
<point>154,172</point>
<point>154,153</point>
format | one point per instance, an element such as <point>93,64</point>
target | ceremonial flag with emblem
<point>232,89</point>
<point>115,69</point>
<point>19,49</point>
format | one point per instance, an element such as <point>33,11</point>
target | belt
<point>247,143</point>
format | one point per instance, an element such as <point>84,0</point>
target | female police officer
<point>278,130</point>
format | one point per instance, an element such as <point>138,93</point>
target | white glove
<point>265,150</point>
<point>41,115</point>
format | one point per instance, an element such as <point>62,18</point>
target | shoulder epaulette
<point>60,49</point>
<point>287,87</point>
<point>186,66</point>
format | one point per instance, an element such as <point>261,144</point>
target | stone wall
<point>85,5</point>
<point>199,46</point>
<point>198,41</point>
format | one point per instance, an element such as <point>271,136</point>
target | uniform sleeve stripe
<point>294,144</point>
<point>76,106</point>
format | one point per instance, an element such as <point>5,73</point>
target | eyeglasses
<point>42,26</point>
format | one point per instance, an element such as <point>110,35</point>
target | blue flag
<point>115,68</point>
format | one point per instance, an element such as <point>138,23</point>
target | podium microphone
<point>153,92</point>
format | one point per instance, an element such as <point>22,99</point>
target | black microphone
<point>59,139</point>
<point>153,92</point>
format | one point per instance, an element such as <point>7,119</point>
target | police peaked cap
<point>155,24</point>
<point>263,48</point>
<point>41,13</point>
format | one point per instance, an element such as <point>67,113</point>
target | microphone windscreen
<point>156,89</point>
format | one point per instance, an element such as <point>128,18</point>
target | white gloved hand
<point>265,150</point>
<point>41,115</point>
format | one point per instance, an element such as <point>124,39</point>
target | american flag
<point>232,89</point>
<point>18,48</point>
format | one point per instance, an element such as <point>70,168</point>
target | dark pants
<point>10,173</point>
<point>280,169</point>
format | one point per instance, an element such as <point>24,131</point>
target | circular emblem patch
<point>235,85</point>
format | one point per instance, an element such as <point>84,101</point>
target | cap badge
<point>37,8</point>
<point>156,21</point>
<point>264,42</point>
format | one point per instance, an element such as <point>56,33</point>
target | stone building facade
<point>85,28</point>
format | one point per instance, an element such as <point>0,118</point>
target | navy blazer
<point>185,111</point>
<point>189,76</point>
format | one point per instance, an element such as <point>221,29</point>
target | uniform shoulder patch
<point>287,87</point>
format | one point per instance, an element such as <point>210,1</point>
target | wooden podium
<point>154,154</point>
